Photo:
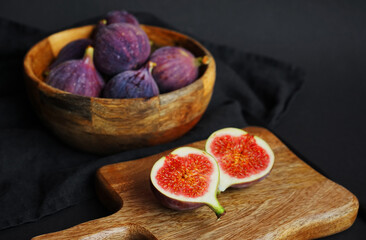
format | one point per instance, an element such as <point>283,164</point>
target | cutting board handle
<point>104,228</point>
<point>107,228</point>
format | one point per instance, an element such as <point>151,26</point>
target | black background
<point>325,124</point>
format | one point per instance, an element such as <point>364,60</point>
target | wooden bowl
<point>103,126</point>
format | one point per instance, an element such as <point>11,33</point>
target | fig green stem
<point>201,61</point>
<point>217,208</point>
<point>151,65</point>
<point>88,56</point>
<point>103,21</point>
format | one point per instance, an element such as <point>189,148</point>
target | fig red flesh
<point>177,175</point>
<point>186,179</point>
<point>253,158</point>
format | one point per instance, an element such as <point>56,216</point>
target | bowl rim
<point>42,85</point>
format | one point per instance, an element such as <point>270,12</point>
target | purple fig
<point>175,68</point>
<point>132,84</point>
<point>121,16</point>
<point>117,16</point>
<point>77,76</point>
<point>72,50</point>
<point>120,47</point>
<point>102,23</point>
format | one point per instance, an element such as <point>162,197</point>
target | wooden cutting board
<point>293,202</point>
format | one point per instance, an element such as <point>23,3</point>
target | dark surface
<point>325,124</point>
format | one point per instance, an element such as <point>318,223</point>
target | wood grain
<point>293,202</point>
<point>105,126</point>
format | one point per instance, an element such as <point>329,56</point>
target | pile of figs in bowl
<point>118,84</point>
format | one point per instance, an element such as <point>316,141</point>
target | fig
<point>132,84</point>
<point>77,76</point>
<point>120,47</point>
<point>121,16</point>
<point>72,50</point>
<point>175,68</point>
<point>116,16</point>
<point>186,179</point>
<point>243,159</point>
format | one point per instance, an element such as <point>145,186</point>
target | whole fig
<point>120,47</point>
<point>72,50</point>
<point>175,68</point>
<point>77,76</point>
<point>132,84</point>
<point>116,16</point>
<point>121,16</point>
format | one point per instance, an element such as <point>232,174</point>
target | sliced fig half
<point>185,179</point>
<point>243,159</point>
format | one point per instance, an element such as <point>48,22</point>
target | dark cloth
<point>39,175</point>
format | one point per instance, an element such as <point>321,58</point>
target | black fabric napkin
<point>39,175</point>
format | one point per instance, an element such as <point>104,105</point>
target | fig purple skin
<point>132,84</point>
<point>121,16</point>
<point>77,76</point>
<point>120,47</point>
<point>172,203</point>
<point>117,16</point>
<point>175,68</point>
<point>72,50</point>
